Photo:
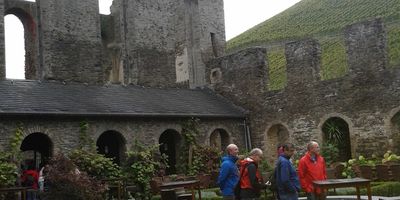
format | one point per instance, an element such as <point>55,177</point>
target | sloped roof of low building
<point>27,97</point>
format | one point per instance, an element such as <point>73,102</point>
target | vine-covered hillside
<point>315,17</point>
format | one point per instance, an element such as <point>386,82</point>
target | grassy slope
<point>323,20</point>
<point>311,17</point>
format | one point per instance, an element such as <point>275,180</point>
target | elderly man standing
<point>311,168</point>
<point>229,173</point>
<point>251,182</point>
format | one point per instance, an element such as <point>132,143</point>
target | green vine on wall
<point>190,130</point>
<point>9,161</point>
<point>85,142</point>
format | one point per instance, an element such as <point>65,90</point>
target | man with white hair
<point>229,173</point>
<point>251,182</point>
<point>311,168</point>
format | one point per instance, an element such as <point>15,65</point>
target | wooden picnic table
<point>192,184</point>
<point>21,190</point>
<point>341,183</point>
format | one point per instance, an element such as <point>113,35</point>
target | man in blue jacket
<point>229,172</point>
<point>286,177</point>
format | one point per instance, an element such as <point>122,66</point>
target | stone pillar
<point>366,47</point>
<point>303,63</point>
<point>71,41</point>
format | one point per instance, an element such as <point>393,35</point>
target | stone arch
<point>30,40</point>
<point>37,149</point>
<point>219,138</point>
<point>394,138</point>
<point>276,134</point>
<point>170,142</point>
<point>350,126</point>
<point>336,128</point>
<point>112,144</point>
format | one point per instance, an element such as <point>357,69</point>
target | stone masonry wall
<point>64,132</point>
<point>366,98</point>
<point>165,43</point>
<point>71,43</point>
<point>27,12</point>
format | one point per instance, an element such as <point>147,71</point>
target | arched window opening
<point>170,141</point>
<point>15,47</point>
<point>104,7</point>
<point>37,149</point>
<point>276,135</point>
<point>219,139</point>
<point>112,145</point>
<point>395,137</point>
<point>336,132</point>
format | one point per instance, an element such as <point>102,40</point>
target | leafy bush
<point>389,156</point>
<point>141,166</point>
<point>9,161</point>
<point>66,182</point>
<point>330,152</point>
<point>205,160</point>
<point>88,160</point>
<point>8,171</point>
<point>95,165</point>
<point>386,189</point>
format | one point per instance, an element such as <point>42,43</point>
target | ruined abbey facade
<point>149,65</point>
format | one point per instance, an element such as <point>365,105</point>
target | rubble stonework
<point>367,98</point>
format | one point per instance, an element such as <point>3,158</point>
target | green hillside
<point>315,17</point>
<point>323,20</point>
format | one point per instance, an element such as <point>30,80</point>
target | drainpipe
<point>247,134</point>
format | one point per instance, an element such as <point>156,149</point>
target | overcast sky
<point>240,15</point>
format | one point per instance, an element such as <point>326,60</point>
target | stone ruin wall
<point>150,43</point>
<point>63,132</point>
<point>367,97</point>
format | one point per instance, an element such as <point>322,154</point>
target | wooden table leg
<point>369,192</point>
<point>358,193</point>
<point>199,191</point>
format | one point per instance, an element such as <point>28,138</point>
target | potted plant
<point>365,167</point>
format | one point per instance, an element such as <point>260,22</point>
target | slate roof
<point>24,97</point>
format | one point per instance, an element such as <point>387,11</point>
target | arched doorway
<point>336,131</point>
<point>276,135</point>
<point>112,145</point>
<point>27,43</point>
<point>395,137</point>
<point>170,141</point>
<point>219,139</point>
<point>37,149</point>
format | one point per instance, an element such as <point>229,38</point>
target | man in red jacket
<point>311,168</point>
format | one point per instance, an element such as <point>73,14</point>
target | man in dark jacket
<point>286,176</point>
<point>251,182</point>
<point>229,173</point>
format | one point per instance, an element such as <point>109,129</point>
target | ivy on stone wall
<point>9,161</point>
<point>190,130</point>
<point>85,141</point>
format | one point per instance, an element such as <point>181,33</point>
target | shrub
<point>66,182</point>
<point>141,166</point>
<point>386,189</point>
<point>8,171</point>
<point>330,152</point>
<point>94,164</point>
